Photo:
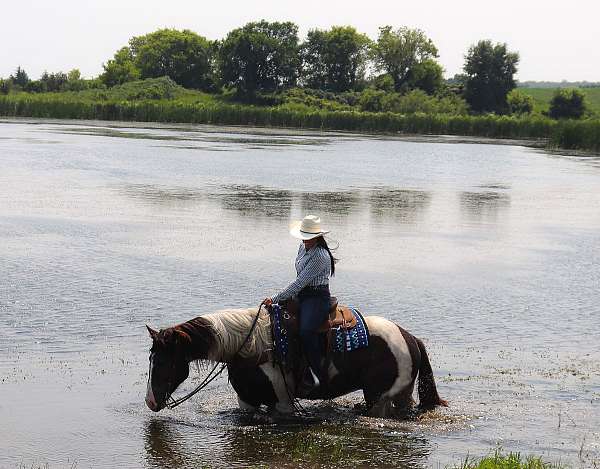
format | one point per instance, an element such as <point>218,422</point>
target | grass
<point>161,100</point>
<point>152,89</point>
<point>507,461</point>
<point>542,97</point>
<point>310,447</point>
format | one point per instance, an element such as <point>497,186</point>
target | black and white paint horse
<point>386,370</point>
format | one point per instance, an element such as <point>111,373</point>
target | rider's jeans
<point>314,309</point>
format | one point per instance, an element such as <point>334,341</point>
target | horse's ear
<point>152,332</point>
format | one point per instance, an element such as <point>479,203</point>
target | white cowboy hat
<point>308,228</point>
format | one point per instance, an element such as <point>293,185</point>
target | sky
<point>556,40</point>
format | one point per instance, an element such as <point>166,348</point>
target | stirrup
<point>316,381</point>
<point>306,388</point>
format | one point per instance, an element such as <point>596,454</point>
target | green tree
<point>427,75</point>
<point>567,103</point>
<point>20,78</point>
<point>54,82</point>
<point>398,52</point>
<point>75,82</point>
<point>382,82</point>
<point>183,56</point>
<point>5,86</point>
<point>490,71</point>
<point>74,75</point>
<point>519,102</point>
<point>334,60</point>
<point>120,69</point>
<point>260,56</point>
<point>36,86</point>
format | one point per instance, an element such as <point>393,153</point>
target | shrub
<point>152,88</point>
<point>567,103</point>
<point>318,99</point>
<point>417,101</point>
<point>371,100</point>
<point>519,103</point>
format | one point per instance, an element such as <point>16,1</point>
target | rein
<point>211,374</point>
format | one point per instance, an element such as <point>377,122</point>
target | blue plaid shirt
<point>313,268</point>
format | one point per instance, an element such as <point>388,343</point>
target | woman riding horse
<point>314,265</point>
<point>242,340</point>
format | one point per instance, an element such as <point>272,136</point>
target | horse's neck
<point>230,330</point>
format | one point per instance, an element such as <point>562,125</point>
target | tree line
<point>264,57</point>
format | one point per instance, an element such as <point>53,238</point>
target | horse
<point>385,371</point>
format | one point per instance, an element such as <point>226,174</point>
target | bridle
<point>213,373</point>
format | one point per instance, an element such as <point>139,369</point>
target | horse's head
<point>169,365</point>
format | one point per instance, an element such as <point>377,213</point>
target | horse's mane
<point>230,328</point>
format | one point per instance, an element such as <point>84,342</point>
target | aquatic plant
<point>316,447</point>
<point>577,135</point>
<point>582,135</point>
<point>507,461</point>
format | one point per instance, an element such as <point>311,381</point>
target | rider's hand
<point>268,301</point>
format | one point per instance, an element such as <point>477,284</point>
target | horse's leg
<point>388,376</point>
<point>382,405</point>
<point>245,406</point>
<point>381,408</point>
<point>283,404</point>
<point>404,402</point>
<point>252,386</point>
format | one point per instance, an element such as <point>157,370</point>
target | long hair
<point>321,242</point>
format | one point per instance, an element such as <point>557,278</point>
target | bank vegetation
<point>336,79</point>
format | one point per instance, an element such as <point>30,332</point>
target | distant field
<point>542,97</point>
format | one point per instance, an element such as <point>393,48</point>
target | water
<point>490,253</point>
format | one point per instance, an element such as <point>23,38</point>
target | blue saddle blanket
<point>281,341</point>
<point>343,340</point>
<point>347,340</point>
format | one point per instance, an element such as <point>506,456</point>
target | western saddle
<point>339,316</point>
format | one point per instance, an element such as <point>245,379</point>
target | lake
<point>488,252</point>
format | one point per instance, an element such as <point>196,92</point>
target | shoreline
<point>539,144</point>
<point>580,137</point>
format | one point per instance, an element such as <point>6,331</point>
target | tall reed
<point>584,135</point>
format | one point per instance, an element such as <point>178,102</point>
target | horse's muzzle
<point>152,405</point>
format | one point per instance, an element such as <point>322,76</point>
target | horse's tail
<point>428,395</point>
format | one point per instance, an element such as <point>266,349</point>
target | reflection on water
<point>162,194</point>
<point>255,201</point>
<point>223,140</point>
<point>399,204</point>
<point>322,202</point>
<point>484,206</point>
<point>163,444</point>
<point>495,186</point>
<point>402,205</point>
<point>207,148</point>
<point>170,443</point>
<point>340,445</point>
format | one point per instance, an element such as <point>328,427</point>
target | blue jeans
<point>314,309</point>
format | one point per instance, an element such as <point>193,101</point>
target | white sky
<point>556,39</point>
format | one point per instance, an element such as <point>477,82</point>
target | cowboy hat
<point>308,228</point>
